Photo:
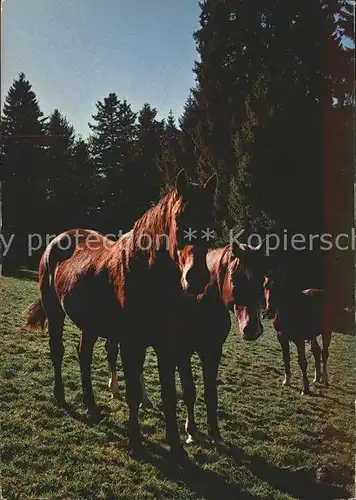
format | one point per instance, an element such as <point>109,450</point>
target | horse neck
<point>156,225</point>
<point>288,300</point>
<point>220,275</point>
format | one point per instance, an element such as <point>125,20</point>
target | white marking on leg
<point>190,439</point>
<point>317,377</point>
<point>113,384</point>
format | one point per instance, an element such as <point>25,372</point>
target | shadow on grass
<point>299,484</point>
<point>208,484</point>
<point>204,483</point>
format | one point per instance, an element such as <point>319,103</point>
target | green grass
<point>275,441</point>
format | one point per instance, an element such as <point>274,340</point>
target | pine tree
<point>170,126</point>
<point>105,140</point>
<point>148,148</point>
<point>83,192</point>
<point>248,200</point>
<point>111,146</point>
<point>22,166</point>
<point>231,51</point>
<point>285,42</point>
<point>59,173</point>
<point>169,160</point>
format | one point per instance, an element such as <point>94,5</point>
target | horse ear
<point>182,183</point>
<point>211,184</point>
<point>261,246</point>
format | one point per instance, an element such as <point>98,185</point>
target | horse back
<point>303,318</point>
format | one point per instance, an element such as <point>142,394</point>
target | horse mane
<point>155,224</point>
<point>218,260</point>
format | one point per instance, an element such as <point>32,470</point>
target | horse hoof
<point>95,415</point>
<point>94,418</point>
<point>286,382</point>
<point>60,402</point>
<point>147,405</point>
<point>136,451</point>
<point>215,440</point>
<point>179,453</point>
<point>190,439</point>
<point>175,445</point>
<point>305,392</point>
<point>60,399</point>
<point>58,393</point>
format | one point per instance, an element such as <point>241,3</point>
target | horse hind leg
<point>132,357</point>
<point>325,356</point>
<point>112,351</point>
<point>211,362</point>
<point>146,402</point>
<point>315,348</point>
<point>303,364</point>
<point>85,352</point>
<point>55,331</point>
<point>286,360</point>
<point>189,397</point>
<point>167,363</point>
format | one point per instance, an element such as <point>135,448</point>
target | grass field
<point>277,444</point>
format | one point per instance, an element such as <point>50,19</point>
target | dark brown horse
<point>129,291</point>
<point>236,277</point>
<point>299,316</point>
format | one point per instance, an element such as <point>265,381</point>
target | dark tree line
<point>270,111</point>
<point>53,180</point>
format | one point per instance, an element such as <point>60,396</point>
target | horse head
<point>245,277</point>
<point>192,227</point>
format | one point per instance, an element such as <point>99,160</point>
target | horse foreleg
<point>55,331</point>
<point>316,353</point>
<point>85,352</point>
<point>325,356</point>
<point>189,396</point>
<point>211,360</point>
<point>284,343</point>
<point>166,367</point>
<point>132,357</point>
<point>112,351</point>
<point>303,364</point>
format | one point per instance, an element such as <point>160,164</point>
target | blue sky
<point>74,52</point>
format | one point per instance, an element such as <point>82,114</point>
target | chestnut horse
<point>299,316</point>
<point>129,291</point>
<point>236,277</point>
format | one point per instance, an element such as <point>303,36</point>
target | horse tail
<point>36,316</point>
<point>36,312</point>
